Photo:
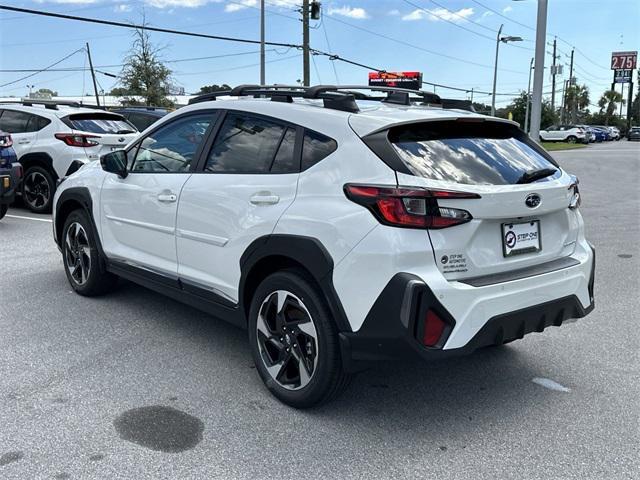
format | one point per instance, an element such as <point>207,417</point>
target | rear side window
<point>315,148</point>
<point>104,123</point>
<point>15,122</point>
<point>245,144</point>
<point>484,153</point>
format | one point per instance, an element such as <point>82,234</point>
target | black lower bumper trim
<point>386,334</point>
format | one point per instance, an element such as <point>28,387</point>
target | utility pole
<point>305,43</point>
<point>526,115</point>
<point>262,60</point>
<point>630,101</point>
<point>495,73</point>
<point>563,104</point>
<point>553,78</point>
<point>571,82</point>
<point>538,72</point>
<point>93,76</point>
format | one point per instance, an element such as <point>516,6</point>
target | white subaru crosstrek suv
<point>565,133</point>
<point>338,227</point>
<point>53,139</point>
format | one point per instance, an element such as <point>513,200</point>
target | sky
<point>451,41</point>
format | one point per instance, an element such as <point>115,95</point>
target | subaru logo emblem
<point>533,200</point>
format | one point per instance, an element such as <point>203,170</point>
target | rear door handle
<point>264,198</point>
<point>167,197</point>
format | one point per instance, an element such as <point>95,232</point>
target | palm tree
<point>577,99</point>
<point>608,104</point>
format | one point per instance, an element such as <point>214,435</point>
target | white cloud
<point>240,5</point>
<point>122,7</point>
<point>351,12</point>
<point>176,3</point>
<point>69,2</point>
<point>507,9</point>
<point>395,12</point>
<point>438,14</point>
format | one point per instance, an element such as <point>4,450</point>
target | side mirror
<point>115,162</point>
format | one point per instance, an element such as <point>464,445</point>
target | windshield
<point>101,123</point>
<point>474,154</point>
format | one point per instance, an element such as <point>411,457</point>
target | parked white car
<point>52,140</point>
<point>564,133</point>
<point>336,231</point>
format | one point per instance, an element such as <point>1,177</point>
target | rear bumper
<point>9,183</point>
<point>392,328</point>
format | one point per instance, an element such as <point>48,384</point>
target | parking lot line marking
<point>30,218</point>
<point>550,384</point>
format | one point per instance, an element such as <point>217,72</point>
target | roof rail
<point>49,104</point>
<point>337,97</point>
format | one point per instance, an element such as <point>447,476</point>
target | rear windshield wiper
<point>533,175</point>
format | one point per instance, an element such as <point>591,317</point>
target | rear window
<point>483,153</point>
<point>100,123</point>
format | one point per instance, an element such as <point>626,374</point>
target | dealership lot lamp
<point>499,39</point>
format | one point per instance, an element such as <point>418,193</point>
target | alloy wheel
<point>36,190</point>
<point>287,340</point>
<point>77,253</point>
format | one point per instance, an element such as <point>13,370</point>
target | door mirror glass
<point>115,162</point>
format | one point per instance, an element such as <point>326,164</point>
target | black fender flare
<point>308,252</point>
<point>82,197</point>
<point>38,158</point>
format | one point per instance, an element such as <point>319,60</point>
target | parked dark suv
<point>10,172</point>
<point>142,117</point>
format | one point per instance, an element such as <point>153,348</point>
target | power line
<point>236,39</point>
<point>43,69</point>
<point>441,17</point>
<point>402,42</point>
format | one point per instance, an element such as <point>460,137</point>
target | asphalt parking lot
<point>84,381</point>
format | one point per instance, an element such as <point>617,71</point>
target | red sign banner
<point>410,80</point>
<point>624,60</point>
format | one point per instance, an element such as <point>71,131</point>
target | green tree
<point>518,109</point>
<point>577,99</point>
<point>144,74</point>
<point>608,104</point>
<point>214,88</point>
<point>45,92</point>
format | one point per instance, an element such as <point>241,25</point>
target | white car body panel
<point>202,235</point>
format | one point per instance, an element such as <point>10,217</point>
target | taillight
<point>6,141</point>
<point>433,328</point>
<point>576,200</point>
<point>409,207</point>
<point>77,140</point>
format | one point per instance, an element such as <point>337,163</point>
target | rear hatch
<point>109,131</point>
<point>515,213</point>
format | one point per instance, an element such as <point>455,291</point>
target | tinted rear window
<point>483,153</point>
<point>100,123</point>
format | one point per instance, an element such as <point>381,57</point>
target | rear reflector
<point>409,207</point>
<point>433,328</point>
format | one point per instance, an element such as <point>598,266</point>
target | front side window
<point>474,154</point>
<point>173,147</point>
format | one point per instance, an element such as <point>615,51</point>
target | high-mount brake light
<point>77,140</point>
<point>410,207</point>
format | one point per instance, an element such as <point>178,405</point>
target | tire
<point>277,342</point>
<point>81,258</point>
<point>38,188</point>
<point>3,210</point>
<point>571,139</point>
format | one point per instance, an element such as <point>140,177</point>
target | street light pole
<point>526,115</point>
<point>495,73</point>
<point>538,71</point>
